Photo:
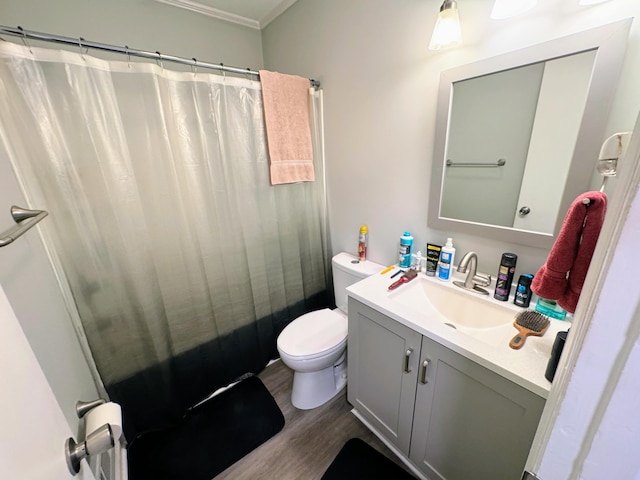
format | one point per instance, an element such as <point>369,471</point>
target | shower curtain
<point>180,259</point>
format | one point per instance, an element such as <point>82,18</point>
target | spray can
<point>404,257</point>
<point>505,276</point>
<point>363,240</point>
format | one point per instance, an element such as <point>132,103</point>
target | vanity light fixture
<point>511,8</point>
<point>447,32</point>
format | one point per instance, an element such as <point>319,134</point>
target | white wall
<point>25,272</point>
<point>380,83</point>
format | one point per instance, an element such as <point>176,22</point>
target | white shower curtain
<point>183,262</point>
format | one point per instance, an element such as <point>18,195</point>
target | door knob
<point>524,211</point>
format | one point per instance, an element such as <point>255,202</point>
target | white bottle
<point>417,261</point>
<point>446,261</point>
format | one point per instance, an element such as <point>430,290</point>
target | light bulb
<point>447,31</point>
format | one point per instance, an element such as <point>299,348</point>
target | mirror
<point>518,135</point>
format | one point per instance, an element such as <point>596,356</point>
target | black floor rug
<point>210,438</point>
<point>358,459</point>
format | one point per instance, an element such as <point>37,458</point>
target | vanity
<point>430,369</point>
<point>431,373</point>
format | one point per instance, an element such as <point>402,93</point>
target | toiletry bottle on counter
<point>505,276</point>
<point>433,257</point>
<point>418,260</point>
<point>523,290</point>
<point>446,260</point>
<point>363,240</point>
<point>404,257</point>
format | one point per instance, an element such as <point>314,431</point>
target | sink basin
<point>458,308</point>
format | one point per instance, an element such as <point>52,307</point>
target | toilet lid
<point>313,333</point>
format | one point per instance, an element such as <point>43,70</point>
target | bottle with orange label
<point>363,240</point>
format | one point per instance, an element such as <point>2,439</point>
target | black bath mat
<point>358,459</point>
<point>210,438</point>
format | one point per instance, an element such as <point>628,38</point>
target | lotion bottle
<point>447,255</point>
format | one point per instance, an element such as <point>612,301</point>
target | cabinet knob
<point>407,356</point>
<point>423,373</point>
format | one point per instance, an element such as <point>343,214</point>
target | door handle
<point>407,356</point>
<point>423,373</point>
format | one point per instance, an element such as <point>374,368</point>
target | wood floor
<point>309,441</point>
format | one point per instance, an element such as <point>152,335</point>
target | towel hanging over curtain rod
<point>25,219</point>
<point>82,43</point>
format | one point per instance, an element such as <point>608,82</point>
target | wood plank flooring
<point>309,441</point>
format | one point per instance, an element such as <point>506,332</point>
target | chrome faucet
<point>474,279</point>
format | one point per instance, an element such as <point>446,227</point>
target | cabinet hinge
<point>530,476</point>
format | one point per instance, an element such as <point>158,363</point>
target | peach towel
<point>285,101</point>
<point>561,278</point>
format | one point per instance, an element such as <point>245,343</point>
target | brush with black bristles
<point>528,322</point>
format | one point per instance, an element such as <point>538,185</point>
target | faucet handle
<point>482,279</point>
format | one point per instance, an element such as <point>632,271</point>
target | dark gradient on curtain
<point>159,396</point>
<point>181,261</point>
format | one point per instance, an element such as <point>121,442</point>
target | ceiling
<point>250,13</point>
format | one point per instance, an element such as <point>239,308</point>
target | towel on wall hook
<point>562,276</point>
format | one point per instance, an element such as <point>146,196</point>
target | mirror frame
<point>610,43</point>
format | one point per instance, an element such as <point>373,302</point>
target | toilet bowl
<point>314,345</point>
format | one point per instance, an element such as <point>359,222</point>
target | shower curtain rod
<point>82,43</point>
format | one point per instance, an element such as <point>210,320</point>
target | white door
<point>590,427</point>
<point>33,428</point>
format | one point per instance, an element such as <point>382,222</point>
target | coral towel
<point>286,113</point>
<point>561,278</point>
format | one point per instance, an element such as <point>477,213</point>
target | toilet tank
<point>347,270</point>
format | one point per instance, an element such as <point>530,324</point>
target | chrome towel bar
<point>499,163</point>
<point>25,219</point>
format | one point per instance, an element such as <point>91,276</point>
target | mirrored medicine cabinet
<point>518,135</point>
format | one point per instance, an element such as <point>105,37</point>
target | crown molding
<point>214,12</point>
<point>276,12</point>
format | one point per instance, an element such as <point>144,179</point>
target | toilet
<point>314,345</point>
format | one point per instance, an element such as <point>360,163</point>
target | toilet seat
<point>314,334</point>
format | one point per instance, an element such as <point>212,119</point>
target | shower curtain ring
<point>224,74</point>
<point>80,40</point>
<point>24,40</point>
<point>126,51</point>
<point>194,67</point>
<point>159,60</point>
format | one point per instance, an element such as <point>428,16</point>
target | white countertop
<point>488,347</point>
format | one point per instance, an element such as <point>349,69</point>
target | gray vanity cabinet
<point>470,422</point>
<point>382,372</point>
<point>454,419</point>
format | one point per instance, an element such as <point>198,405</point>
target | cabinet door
<point>383,365</point>
<point>469,422</point>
